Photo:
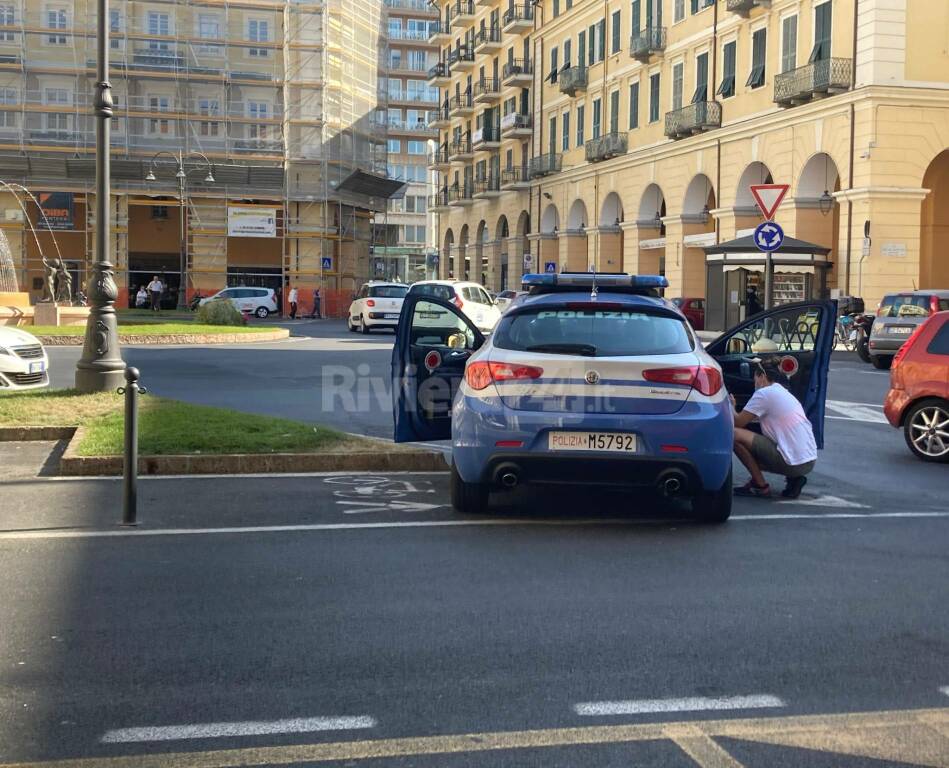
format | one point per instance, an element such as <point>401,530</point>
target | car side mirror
<point>457,341</point>
<point>737,345</point>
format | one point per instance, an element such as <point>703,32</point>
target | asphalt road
<point>567,632</point>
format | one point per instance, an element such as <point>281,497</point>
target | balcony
<point>645,43</point>
<point>544,165</point>
<point>463,195</point>
<point>517,72</point>
<point>439,118</point>
<point>486,139</point>
<point>572,80</point>
<point>487,91</point>
<point>695,118</point>
<point>439,32</point>
<point>515,178</point>
<point>462,58</point>
<point>439,159</point>
<point>813,81</point>
<point>397,33</point>
<point>460,150</point>
<point>516,124</point>
<point>461,106</point>
<point>743,7</point>
<point>439,74</point>
<point>409,5</point>
<point>462,11</point>
<point>487,187</point>
<point>487,40</point>
<point>417,128</point>
<point>606,146</point>
<point>484,3</point>
<point>518,19</point>
<point>439,201</point>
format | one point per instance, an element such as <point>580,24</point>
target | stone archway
<point>652,231</point>
<point>463,258</point>
<point>577,219</point>
<point>934,225</point>
<point>755,173</point>
<point>550,220</point>
<point>573,241</point>
<point>816,211</point>
<point>609,251</point>
<point>698,231</point>
<point>502,233</point>
<point>481,263</point>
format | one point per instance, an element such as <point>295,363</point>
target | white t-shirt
<point>155,286</point>
<point>293,295</point>
<point>783,420</point>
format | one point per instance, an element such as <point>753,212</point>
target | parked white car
<point>471,298</point>
<point>23,361</point>
<point>258,301</point>
<point>504,299</point>
<point>377,305</point>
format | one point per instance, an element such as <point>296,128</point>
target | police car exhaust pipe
<point>507,475</point>
<point>671,483</point>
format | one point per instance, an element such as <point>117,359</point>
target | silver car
<point>898,316</point>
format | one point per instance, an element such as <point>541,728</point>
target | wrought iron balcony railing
<point>513,177</point>
<point>543,165</point>
<point>518,15</point>
<point>514,121</point>
<point>487,185</point>
<point>819,78</point>
<point>517,69</point>
<point>439,70</point>
<point>693,118</point>
<point>606,146</point>
<point>648,41</point>
<point>742,7</point>
<point>573,79</point>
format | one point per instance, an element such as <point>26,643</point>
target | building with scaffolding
<point>282,97</point>
<point>400,251</point>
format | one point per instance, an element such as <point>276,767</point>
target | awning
<point>781,269</point>
<point>746,245</point>
<point>371,185</point>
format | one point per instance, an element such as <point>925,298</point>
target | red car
<point>918,400</point>
<point>694,310</point>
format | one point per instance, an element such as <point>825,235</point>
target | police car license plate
<point>605,442</point>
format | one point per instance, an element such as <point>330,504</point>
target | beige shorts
<point>769,458</point>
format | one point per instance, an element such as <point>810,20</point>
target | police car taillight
<point>704,378</point>
<point>480,374</point>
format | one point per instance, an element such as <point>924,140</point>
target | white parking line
<point>857,411</point>
<point>115,533</point>
<point>250,728</point>
<point>691,704</point>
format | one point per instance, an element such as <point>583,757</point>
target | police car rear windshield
<point>593,333</point>
<point>388,291</point>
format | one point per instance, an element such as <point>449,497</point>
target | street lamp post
<point>101,368</point>
<point>182,177</point>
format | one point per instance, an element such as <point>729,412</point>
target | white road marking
<point>250,728</point>
<point>691,704</point>
<point>857,411</point>
<point>825,501</point>
<point>488,522</point>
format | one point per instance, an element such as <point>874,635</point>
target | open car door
<point>800,336</point>
<point>433,343</point>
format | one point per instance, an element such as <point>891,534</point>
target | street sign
<point>769,197</point>
<point>550,266</point>
<point>327,263</point>
<point>528,260</point>
<point>769,236</point>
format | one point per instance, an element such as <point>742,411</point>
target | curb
<point>177,338</point>
<point>73,465</point>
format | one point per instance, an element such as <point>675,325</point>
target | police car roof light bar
<point>590,279</point>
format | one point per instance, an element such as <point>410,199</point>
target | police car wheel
<point>467,498</point>
<point>716,506</point>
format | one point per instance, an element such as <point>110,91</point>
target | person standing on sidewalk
<point>154,290</point>
<point>317,309</point>
<point>292,298</point>
<point>786,447</point>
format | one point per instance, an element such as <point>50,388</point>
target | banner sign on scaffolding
<point>251,222</point>
<point>59,208</point>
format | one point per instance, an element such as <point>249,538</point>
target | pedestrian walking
<point>786,447</point>
<point>292,298</point>
<point>154,289</point>
<point>317,309</point>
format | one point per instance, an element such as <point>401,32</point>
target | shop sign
<point>251,222</point>
<point>59,209</point>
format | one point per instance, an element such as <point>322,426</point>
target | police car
<point>594,379</point>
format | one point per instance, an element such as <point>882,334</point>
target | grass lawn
<point>169,426</point>
<point>151,329</point>
<point>147,314</point>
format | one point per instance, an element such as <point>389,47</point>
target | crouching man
<point>787,445</point>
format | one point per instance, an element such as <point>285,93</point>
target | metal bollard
<point>130,458</point>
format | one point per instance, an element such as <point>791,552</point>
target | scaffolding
<point>285,97</point>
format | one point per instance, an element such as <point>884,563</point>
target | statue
<point>57,283</point>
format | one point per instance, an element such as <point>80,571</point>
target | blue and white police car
<point>594,379</point>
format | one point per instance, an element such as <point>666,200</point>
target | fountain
<point>56,307</point>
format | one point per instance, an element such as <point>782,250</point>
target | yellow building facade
<point>652,118</point>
